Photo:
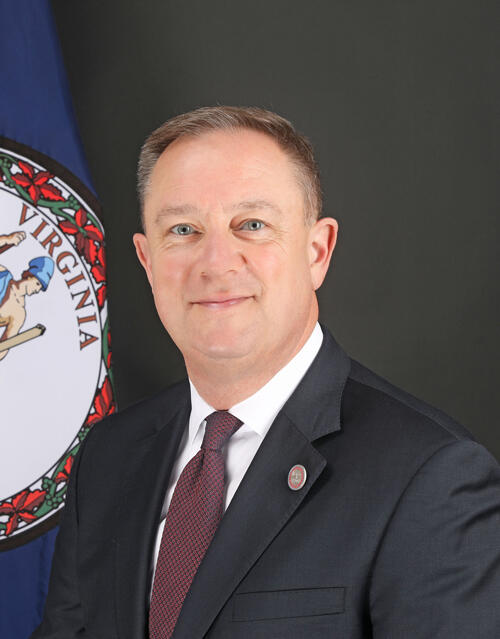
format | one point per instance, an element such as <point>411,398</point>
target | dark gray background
<point>400,100</point>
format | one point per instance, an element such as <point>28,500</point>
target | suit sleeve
<point>437,571</point>
<point>63,616</point>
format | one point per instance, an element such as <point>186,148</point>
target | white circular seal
<point>54,349</point>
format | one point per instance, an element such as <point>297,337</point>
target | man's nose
<point>220,254</point>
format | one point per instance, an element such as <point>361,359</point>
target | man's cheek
<point>268,268</point>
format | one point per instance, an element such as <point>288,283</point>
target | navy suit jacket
<point>395,534</point>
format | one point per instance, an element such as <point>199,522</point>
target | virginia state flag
<point>55,376</point>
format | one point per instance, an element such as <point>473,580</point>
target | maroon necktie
<point>192,519</point>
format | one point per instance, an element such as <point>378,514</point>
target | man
<point>13,292</point>
<point>284,491</point>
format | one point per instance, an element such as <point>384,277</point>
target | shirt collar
<point>259,410</point>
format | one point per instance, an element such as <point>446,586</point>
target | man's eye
<point>182,229</point>
<point>252,225</point>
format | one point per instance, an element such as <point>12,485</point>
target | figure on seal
<point>13,292</point>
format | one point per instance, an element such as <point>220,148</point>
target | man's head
<point>228,118</point>
<point>38,274</point>
<point>232,251</point>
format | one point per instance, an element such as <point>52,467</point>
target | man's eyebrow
<point>188,209</point>
<point>183,209</point>
<point>251,205</point>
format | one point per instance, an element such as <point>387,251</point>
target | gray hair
<point>205,119</point>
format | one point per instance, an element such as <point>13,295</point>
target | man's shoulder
<point>389,436</point>
<point>375,410</point>
<point>395,412</point>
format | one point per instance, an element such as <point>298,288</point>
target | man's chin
<point>228,345</point>
<point>223,351</point>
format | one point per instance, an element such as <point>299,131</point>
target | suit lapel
<point>263,503</point>
<point>138,516</point>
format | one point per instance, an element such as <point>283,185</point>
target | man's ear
<point>322,240</point>
<point>143,254</point>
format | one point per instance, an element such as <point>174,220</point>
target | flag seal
<point>55,356</point>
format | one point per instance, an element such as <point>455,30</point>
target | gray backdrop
<point>400,100</point>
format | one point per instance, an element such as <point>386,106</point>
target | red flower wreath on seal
<point>103,403</point>
<point>86,235</point>
<point>36,184</point>
<point>63,475</point>
<point>108,359</point>
<point>22,507</point>
<point>89,243</point>
<point>99,273</point>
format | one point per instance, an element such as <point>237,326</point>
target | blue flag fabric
<point>35,103</point>
<point>35,110</point>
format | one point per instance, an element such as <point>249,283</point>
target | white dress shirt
<point>257,413</point>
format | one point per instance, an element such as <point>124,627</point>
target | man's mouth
<point>219,303</point>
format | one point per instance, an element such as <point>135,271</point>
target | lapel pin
<point>297,477</point>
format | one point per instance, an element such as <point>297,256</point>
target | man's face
<point>33,285</point>
<point>231,262</point>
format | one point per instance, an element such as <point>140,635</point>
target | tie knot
<point>220,426</point>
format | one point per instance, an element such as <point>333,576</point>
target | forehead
<point>221,166</point>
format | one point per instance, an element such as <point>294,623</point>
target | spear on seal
<point>22,337</point>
